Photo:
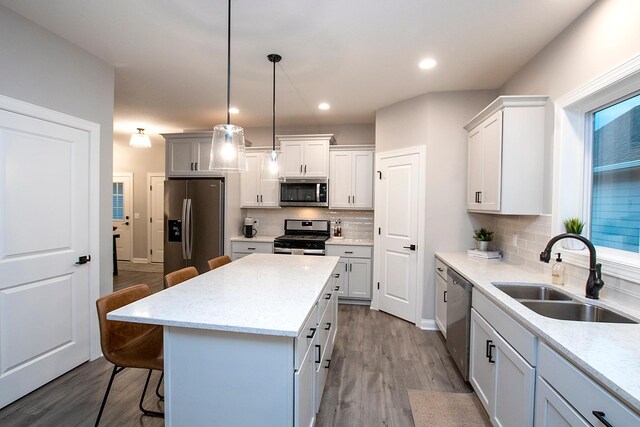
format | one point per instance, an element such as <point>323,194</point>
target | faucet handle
<point>599,271</point>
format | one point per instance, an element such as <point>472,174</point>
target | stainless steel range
<point>303,237</point>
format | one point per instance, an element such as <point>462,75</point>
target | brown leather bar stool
<point>179,276</point>
<point>218,262</point>
<point>129,345</point>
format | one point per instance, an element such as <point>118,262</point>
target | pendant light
<point>272,169</point>
<point>227,144</point>
<point>140,139</point>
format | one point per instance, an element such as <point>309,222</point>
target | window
<point>118,201</point>
<point>615,180</point>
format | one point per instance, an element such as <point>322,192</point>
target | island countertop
<point>259,294</point>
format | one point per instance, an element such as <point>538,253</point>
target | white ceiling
<point>357,55</point>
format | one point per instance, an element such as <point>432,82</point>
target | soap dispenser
<point>557,271</point>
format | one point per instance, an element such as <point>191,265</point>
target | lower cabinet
<point>354,268</point>
<point>552,410</point>
<point>503,380</point>
<point>243,248</point>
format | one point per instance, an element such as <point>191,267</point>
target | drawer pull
<point>487,351</point>
<point>337,288</point>
<point>328,296</point>
<point>491,347</point>
<point>444,296</point>
<point>319,354</point>
<point>328,363</point>
<point>328,328</point>
<point>337,275</point>
<point>440,269</point>
<point>251,249</point>
<point>601,417</point>
<point>348,252</point>
<point>313,333</point>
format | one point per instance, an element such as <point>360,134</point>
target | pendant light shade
<point>272,169</point>
<point>140,139</point>
<point>227,144</point>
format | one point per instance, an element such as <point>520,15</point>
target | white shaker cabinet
<point>441,296</point>
<point>305,156</point>
<point>351,179</point>
<point>256,192</point>
<point>355,270</point>
<point>506,145</point>
<point>240,249</point>
<point>188,154</point>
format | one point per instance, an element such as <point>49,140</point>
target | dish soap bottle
<point>557,271</point>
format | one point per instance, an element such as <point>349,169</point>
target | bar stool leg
<point>116,369</point>
<point>160,396</point>
<point>144,392</point>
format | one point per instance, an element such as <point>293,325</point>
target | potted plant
<point>573,225</point>
<point>483,237</point>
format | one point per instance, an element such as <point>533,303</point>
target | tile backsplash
<point>355,224</point>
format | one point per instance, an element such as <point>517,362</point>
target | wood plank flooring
<point>376,358</point>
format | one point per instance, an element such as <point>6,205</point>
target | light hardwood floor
<point>376,358</point>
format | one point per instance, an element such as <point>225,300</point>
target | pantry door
<point>399,219</point>
<point>44,231</point>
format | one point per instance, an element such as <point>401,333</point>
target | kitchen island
<point>246,344</point>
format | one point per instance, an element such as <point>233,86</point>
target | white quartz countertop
<point>259,294</point>
<point>608,352</point>
<point>351,242</point>
<point>260,239</point>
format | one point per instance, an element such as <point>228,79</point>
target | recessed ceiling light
<point>233,110</point>
<point>324,106</point>
<point>428,63</point>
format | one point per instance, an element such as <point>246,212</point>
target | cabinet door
<point>342,268</point>
<point>482,372</point>
<point>475,161</point>
<point>202,155</point>
<point>180,157</point>
<point>293,152</point>
<point>316,159</point>
<point>269,193</point>
<point>492,164</point>
<point>304,411</point>
<point>515,380</point>
<point>250,181</point>
<point>441,304</point>
<point>340,179</point>
<point>360,278</point>
<point>362,180</point>
<point>552,410</point>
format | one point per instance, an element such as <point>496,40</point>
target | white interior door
<point>397,215</point>
<point>156,217</point>
<point>122,214</point>
<point>44,229</point>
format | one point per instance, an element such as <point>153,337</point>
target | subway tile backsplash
<point>355,224</point>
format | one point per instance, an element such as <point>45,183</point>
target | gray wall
<point>436,120</point>
<point>43,69</point>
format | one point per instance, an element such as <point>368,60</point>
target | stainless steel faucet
<point>594,282</point>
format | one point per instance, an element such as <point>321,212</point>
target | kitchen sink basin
<point>530,291</point>
<point>571,310</point>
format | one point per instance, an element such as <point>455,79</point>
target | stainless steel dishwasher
<point>458,320</point>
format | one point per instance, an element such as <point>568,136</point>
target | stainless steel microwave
<point>304,192</point>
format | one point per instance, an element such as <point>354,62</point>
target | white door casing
<point>400,215</point>
<point>155,209</point>
<point>49,186</point>
<point>124,243</point>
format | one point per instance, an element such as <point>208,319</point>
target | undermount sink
<point>532,292</point>
<point>571,310</point>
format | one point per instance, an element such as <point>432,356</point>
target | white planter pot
<point>483,245</point>
<point>573,244</point>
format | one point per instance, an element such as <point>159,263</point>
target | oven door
<point>303,194</point>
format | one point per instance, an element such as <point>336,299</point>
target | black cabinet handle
<point>350,267</point>
<point>601,417</point>
<point>251,249</point>
<point>337,275</point>
<point>487,350</point>
<point>257,198</point>
<point>328,327</point>
<point>196,166</point>
<point>337,288</point>
<point>300,168</point>
<point>191,165</point>
<point>491,347</point>
<point>313,333</point>
<point>328,296</point>
<point>328,363</point>
<point>348,199</point>
<point>379,174</point>
<point>319,355</point>
<point>348,252</point>
<point>305,168</point>
<point>479,196</point>
<point>440,269</point>
<point>444,296</point>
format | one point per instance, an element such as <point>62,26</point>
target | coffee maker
<point>249,228</point>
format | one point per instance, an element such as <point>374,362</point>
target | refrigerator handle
<point>190,248</point>
<point>184,229</point>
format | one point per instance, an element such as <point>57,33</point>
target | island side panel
<point>218,378</point>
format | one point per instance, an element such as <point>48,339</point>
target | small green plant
<point>483,235</point>
<point>573,225</point>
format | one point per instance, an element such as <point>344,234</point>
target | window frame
<point>573,161</point>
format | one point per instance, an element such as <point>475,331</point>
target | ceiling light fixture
<point>324,106</point>
<point>427,64</point>
<point>227,144</point>
<point>140,139</point>
<point>272,170</point>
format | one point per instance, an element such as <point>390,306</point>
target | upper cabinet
<point>306,156</point>
<point>256,192</point>
<point>351,178</point>
<point>506,157</point>
<point>188,154</point>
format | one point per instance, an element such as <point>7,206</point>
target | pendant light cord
<point>273,128</point>
<point>229,63</point>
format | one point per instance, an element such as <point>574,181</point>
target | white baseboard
<point>139,260</point>
<point>429,325</point>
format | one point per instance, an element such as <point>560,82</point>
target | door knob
<point>412,247</point>
<point>126,223</point>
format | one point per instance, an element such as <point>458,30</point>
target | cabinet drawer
<point>441,269</point>
<point>349,251</point>
<point>306,336</point>
<point>582,392</point>
<point>252,247</point>
<point>325,298</point>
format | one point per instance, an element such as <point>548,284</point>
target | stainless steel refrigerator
<point>194,223</point>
